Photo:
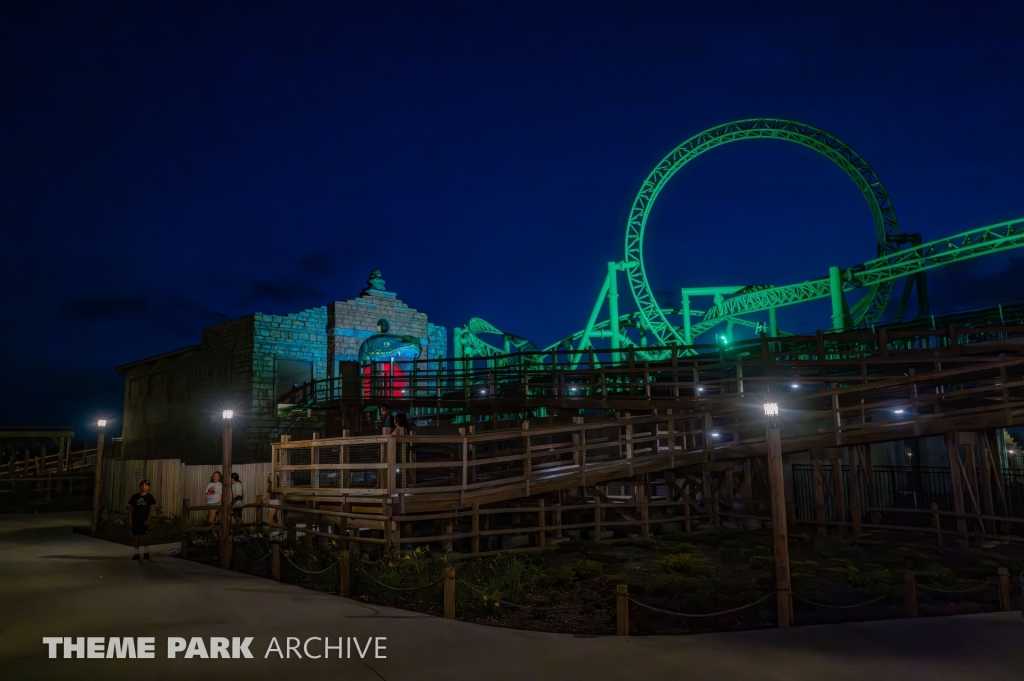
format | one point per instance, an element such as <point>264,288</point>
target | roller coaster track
<point>965,246</point>
<point>875,278</point>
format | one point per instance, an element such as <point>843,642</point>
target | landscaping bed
<point>571,589</point>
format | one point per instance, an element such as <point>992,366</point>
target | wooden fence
<point>173,482</point>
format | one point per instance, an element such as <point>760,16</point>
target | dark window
<point>291,374</point>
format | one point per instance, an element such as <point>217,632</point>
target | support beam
<point>776,486</point>
<point>957,483</point>
<point>856,511</point>
<point>835,279</point>
<point>97,481</point>
<point>613,306</point>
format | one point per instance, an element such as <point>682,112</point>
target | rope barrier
<point>400,588</point>
<point>309,572</point>
<point>529,607</point>
<point>709,614</point>
<point>264,557</point>
<point>976,587</point>
<point>839,607</point>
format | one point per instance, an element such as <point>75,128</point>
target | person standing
<point>236,499</point>
<point>386,419</point>
<point>140,517</point>
<point>213,495</point>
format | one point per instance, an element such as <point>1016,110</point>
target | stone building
<point>173,402</point>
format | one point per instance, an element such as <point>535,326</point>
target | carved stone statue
<point>375,282</point>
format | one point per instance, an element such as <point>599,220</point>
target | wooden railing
<point>673,372</point>
<point>827,411</point>
<point>506,463</point>
<point>50,464</point>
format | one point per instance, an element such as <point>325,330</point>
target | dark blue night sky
<point>166,166</point>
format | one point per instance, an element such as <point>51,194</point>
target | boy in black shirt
<point>140,513</point>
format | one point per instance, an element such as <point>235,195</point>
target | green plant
<point>512,577</point>
<point>684,563</point>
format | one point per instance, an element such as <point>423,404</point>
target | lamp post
<point>97,479</point>
<point>776,485</point>
<point>225,497</point>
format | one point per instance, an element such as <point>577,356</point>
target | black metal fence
<point>899,487</point>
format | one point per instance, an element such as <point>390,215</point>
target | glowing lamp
<point>102,423</point>
<point>227,414</point>
<point>771,409</point>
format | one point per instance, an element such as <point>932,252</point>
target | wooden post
<point>184,547</point>
<point>716,518</point>
<point>597,518</point>
<point>909,594</point>
<point>856,514</point>
<point>307,538</point>
<point>225,498</point>
<point>776,484</point>
<point>819,498</point>
<point>542,523</point>
<point>957,483</point>
<point>621,610</point>
<point>449,593</point>
<point>446,545</point>
<point>345,568</point>
<point>97,481</point>
<point>1004,589</point>
<point>987,500</point>
<point>275,562</point>
<point>839,491</point>
<point>686,514</point>
<point>937,524</point>
<point>476,529</point>
<point>706,495</point>
<point>645,513</point>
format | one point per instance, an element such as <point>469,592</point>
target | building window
<point>383,326</point>
<point>291,374</point>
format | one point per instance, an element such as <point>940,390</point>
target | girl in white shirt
<point>213,496</point>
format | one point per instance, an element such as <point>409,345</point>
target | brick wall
<point>301,336</point>
<point>351,322</point>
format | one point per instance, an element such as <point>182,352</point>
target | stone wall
<point>351,322</point>
<point>173,402</point>
<point>301,336</point>
<point>438,341</point>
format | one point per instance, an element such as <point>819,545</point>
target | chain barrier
<point>400,588</point>
<point>310,572</point>
<point>709,614</point>
<point>840,607</point>
<point>976,587</point>
<point>537,608</point>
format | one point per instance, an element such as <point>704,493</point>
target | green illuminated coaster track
<point>899,256</point>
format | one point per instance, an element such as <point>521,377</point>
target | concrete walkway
<point>56,583</point>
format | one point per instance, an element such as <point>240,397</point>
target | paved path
<point>56,583</point>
